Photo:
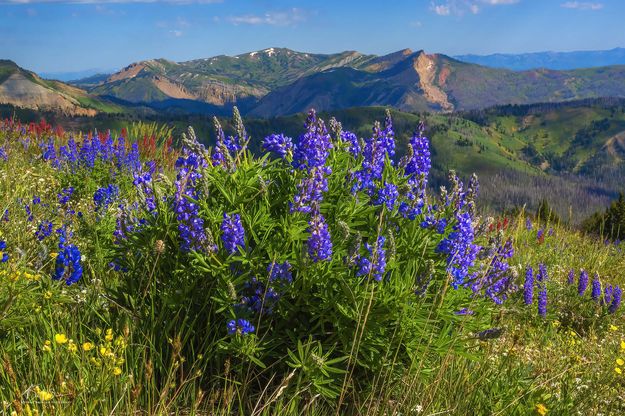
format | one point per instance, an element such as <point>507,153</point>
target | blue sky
<point>60,35</point>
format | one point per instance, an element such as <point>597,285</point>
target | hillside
<point>278,81</point>
<point>26,89</point>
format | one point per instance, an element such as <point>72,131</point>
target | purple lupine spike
<point>616,300</point>
<point>582,283</point>
<point>542,301</point>
<point>596,288</point>
<point>528,286</point>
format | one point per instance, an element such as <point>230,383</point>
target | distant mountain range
<point>279,81</point>
<point>550,60</point>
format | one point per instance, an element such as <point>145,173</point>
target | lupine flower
<point>542,301</point>
<point>528,286</point>
<point>233,234</point>
<point>417,167</point>
<point>240,326</point>
<point>528,223</point>
<point>68,265</point>
<point>259,298</point>
<point>459,247</point>
<point>310,190</point>
<point>616,300</point>
<point>377,148</point>
<point>541,276</point>
<point>314,146</point>
<point>607,295</point>
<point>4,257</point>
<point>190,224</point>
<point>65,195</point>
<point>596,288</point>
<point>464,311</point>
<point>3,154</point>
<point>353,142</point>
<point>319,242</point>
<point>375,264</point>
<point>44,229</point>
<point>571,278</point>
<point>103,197</point>
<point>279,144</point>
<point>583,282</point>
<point>280,272</point>
<point>387,196</point>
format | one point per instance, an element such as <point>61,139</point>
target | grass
<point>83,349</point>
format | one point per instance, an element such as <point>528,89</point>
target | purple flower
<point>541,276</point>
<point>240,326</point>
<point>280,272</point>
<point>233,234</point>
<point>542,301</point>
<point>375,264</point>
<point>103,197</point>
<point>279,144</point>
<point>571,278</point>
<point>460,249</point>
<point>44,229</point>
<point>596,288</point>
<point>353,142</point>
<point>583,282</point>
<point>319,242</point>
<point>314,146</point>
<point>387,196</point>
<point>616,300</point>
<point>4,257</point>
<point>528,286</point>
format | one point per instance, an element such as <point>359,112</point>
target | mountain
<point>26,89</point>
<point>550,60</point>
<point>220,81</point>
<point>279,81</point>
<point>421,81</point>
<point>74,75</point>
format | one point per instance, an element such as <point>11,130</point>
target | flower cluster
<point>104,197</point>
<point>375,264</point>
<point>190,223</point>
<point>68,265</point>
<point>279,144</point>
<point>240,326</point>
<point>4,257</point>
<point>233,234</point>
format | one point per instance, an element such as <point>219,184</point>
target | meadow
<point>145,274</point>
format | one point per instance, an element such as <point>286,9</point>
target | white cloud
<point>281,18</point>
<point>176,33</point>
<point>461,7</point>
<point>582,5</point>
<point>441,10</point>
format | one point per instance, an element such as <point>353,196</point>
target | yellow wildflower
<point>622,345</point>
<point>47,295</point>
<point>60,338</point>
<point>613,327</point>
<point>46,345</point>
<point>618,370</point>
<point>620,361</point>
<point>87,346</point>
<point>44,395</point>
<point>109,335</point>
<point>117,371</point>
<point>72,347</point>
<point>53,255</point>
<point>541,409</point>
